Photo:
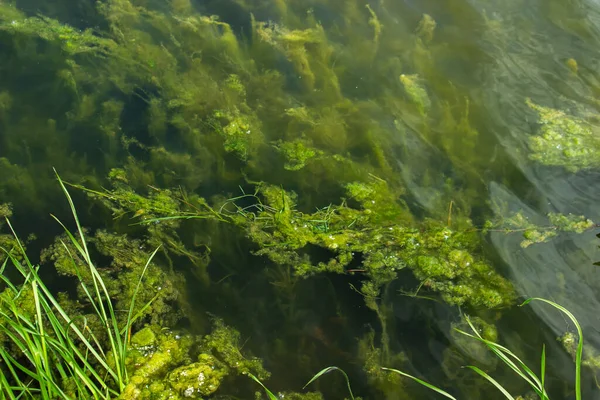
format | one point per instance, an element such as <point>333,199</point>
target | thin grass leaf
<point>13,365</point>
<point>138,287</point>
<point>114,338</point>
<point>98,303</point>
<point>579,353</point>
<point>543,372</point>
<point>48,295</point>
<point>422,382</point>
<point>326,371</point>
<point>269,393</point>
<point>503,353</point>
<point>493,381</point>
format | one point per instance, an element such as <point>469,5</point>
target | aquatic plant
<point>536,382</point>
<point>54,348</point>
<point>173,365</point>
<point>564,140</point>
<point>58,355</point>
<point>379,230</point>
<point>533,231</point>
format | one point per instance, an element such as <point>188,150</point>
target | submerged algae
<point>372,226</point>
<point>533,232</point>
<point>126,259</point>
<point>381,234</point>
<point>169,365</point>
<point>564,140</point>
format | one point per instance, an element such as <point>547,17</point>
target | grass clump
<point>59,356</point>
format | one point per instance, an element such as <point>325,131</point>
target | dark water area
<point>358,175</point>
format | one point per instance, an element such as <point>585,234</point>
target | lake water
<point>469,111</point>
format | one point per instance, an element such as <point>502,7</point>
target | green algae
<point>378,229</point>
<point>297,153</point>
<point>564,140</point>
<point>7,241</point>
<point>416,93</point>
<point>224,343</point>
<point>381,232</point>
<point>168,365</point>
<point>426,28</point>
<point>534,232</point>
<point>125,260</point>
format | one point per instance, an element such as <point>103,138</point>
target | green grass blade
<point>543,372</point>
<point>536,384</point>
<point>422,382</point>
<point>113,334</point>
<point>326,371</point>
<point>579,353</point>
<point>30,272</point>
<point>269,393</point>
<point>6,390</point>
<point>138,287</point>
<point>505,354</point>
<point>493,381</point>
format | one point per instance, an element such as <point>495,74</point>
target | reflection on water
<point>441,100</point>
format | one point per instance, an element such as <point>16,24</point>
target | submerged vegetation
<point>299,174</point>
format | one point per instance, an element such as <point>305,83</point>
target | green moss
<point>240,133</point>
<point>126,259</point>
<point>71,40</point>
<point>150,363</point>
<point>143,338</point>
<point>533,232</point>
<point>570,222</point>
<point>375,24</point>
<point>380,231</point>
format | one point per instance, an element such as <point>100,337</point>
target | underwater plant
<point>52,349</point>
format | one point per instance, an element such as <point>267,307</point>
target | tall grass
<point>51,354</point>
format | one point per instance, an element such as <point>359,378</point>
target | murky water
<point>470,111</point>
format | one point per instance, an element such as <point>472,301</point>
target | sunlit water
<point>479,62</point>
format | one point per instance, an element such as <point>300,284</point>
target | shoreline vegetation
<point>268,186</point>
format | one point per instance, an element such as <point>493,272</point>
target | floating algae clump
<point>533,233</point>
<point>564,141</point>
<point>167,365</point>
<point>381,235</point>
<point>371,232</point>
<point>198,379</point>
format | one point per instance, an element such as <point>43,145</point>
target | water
<point>439,99</point>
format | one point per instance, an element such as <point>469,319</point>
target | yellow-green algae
<point>536,232</point>
<point>375,229</point>
<point>564,140</point>
<point>170,365</point>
